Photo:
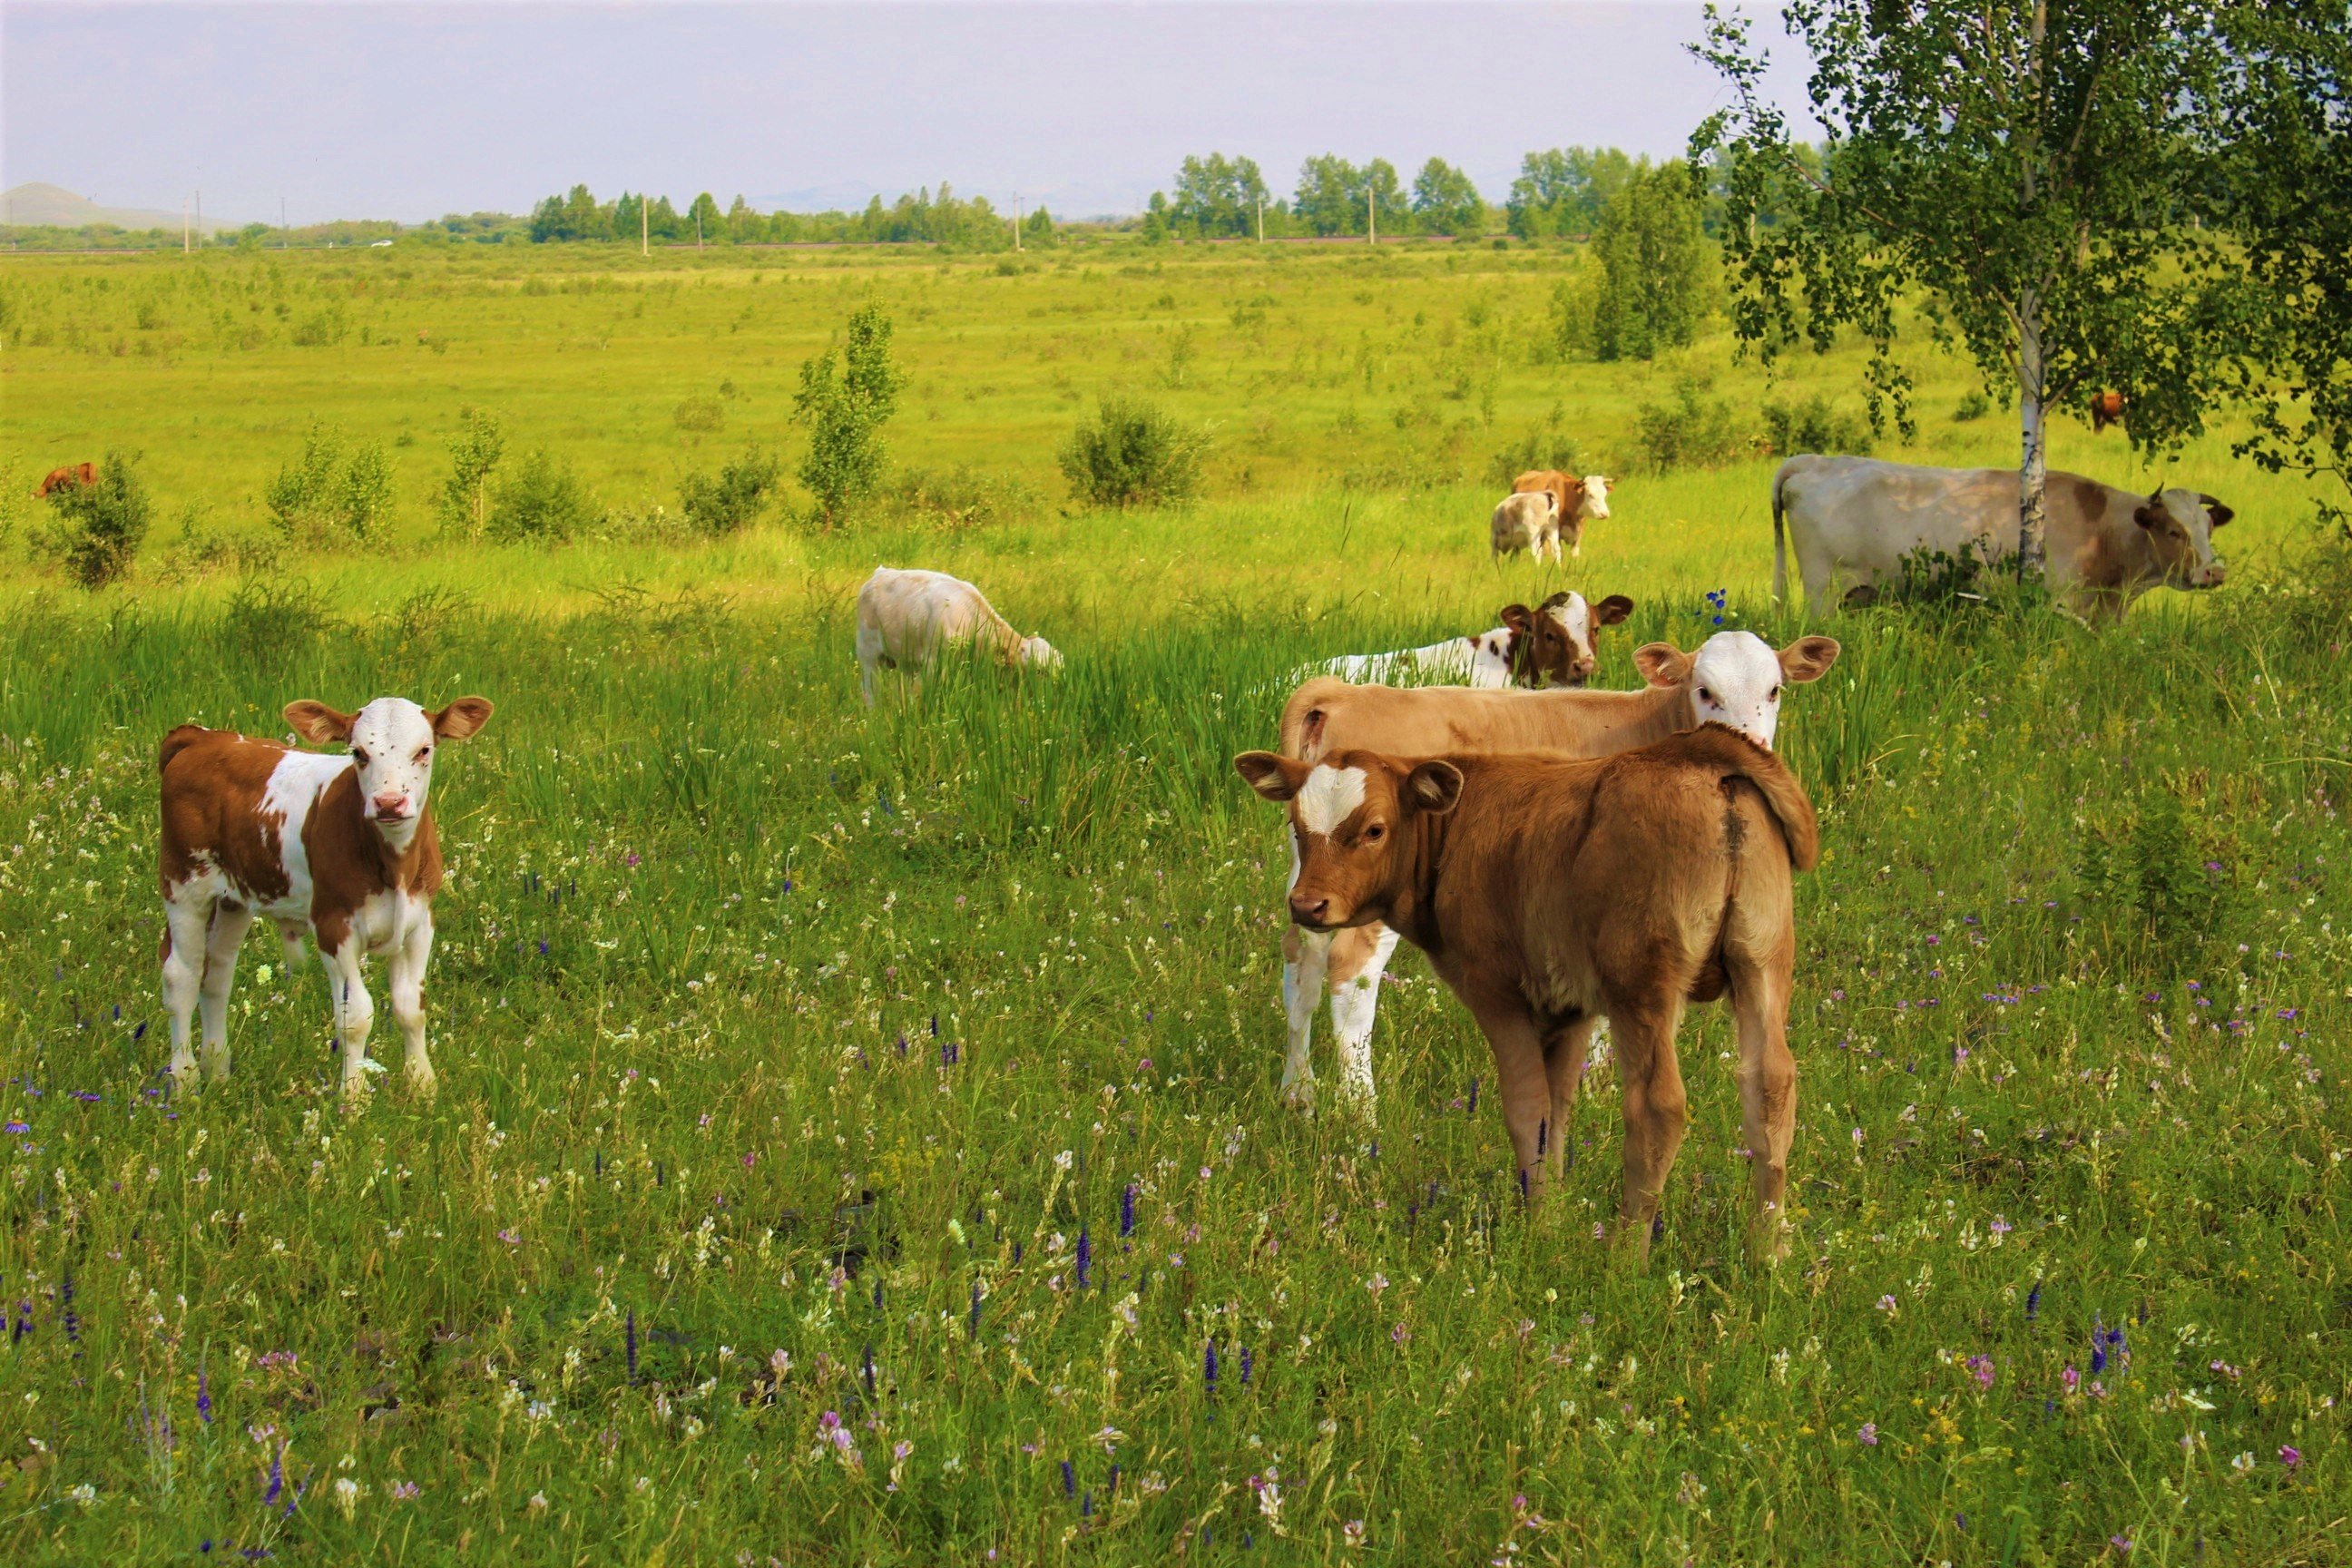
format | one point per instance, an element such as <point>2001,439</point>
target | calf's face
<point>1736,677</point>
<point>2179,526</point>
<point>1349,814</point>
<point>391,741</point>
<point>1041,653</point>
<point>1556,638</point>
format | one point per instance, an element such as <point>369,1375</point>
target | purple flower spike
<point>1069,1479</point>
<point>1209,1367</point>
<point>629,1340</point>
<point>1085,1254</point>
<point>1246,1364</point>
<point>1126,1211</point>
<point>203,1397</point>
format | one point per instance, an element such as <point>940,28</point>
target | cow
<point>339,845</point>
<point>1547,892</point>
<point>1734,678</point>
<point>1528,523</point>
<point>1852,521</point>
<point>1551,644</point>
<point>1575,501</point>
<point>2107,408</point>
<point>73,476</point>
<point>906,618</point>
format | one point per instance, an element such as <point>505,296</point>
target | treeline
<point>919,218</point>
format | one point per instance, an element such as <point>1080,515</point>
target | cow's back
<point>1863,515</point>
<point>910,613</point>
<point>1562,488</point>
<point>1325,715</point>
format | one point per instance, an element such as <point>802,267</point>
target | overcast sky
<point>408,112</point>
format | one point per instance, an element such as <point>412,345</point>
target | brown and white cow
<point>73,476</point>
<point>1575,502</point>
<point>1734,678</point>
<point>1551,644</point>
<point>1852,520</point>
<point>908,616</point>
<point>1547,892</point>
<point>341,845</point>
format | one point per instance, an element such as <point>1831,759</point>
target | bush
<point>1694,431</point>
<point>474,451</point>
<point>1132,454</point>
<point>99,527</point>
<point>1536,449</point>
<point>845,400</point>
<point>1813,426</point>
<point>1972,407</point>
<point>733,498</point>
<point>543,501</point>
<point>702,414</point>
<point>327,491</point>
<point>964,497</point>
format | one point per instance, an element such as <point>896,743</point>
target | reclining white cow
<point>1852,520</point>
<point>1552,645</point>
<point>906,617</point>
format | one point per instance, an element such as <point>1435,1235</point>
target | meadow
<point>857,1138</point>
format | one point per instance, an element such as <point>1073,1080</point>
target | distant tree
<point>1657,266</point>
<point>2026,168</point>
<point>705,220</point>
<point>628,217</point>
<point>744,227</point>
<point>1155,218</point>
<point>844,399</point>
<point>665,222</point>
<point>1445,202</point>
<point>1218,197</point>
<point>475,449</point>
<point>1332,192</point>
<point>1037,229</point>
<point>1565,190</point>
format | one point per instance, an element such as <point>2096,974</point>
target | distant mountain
<point>38,205</point>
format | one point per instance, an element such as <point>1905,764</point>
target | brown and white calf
<point>1551,644</point>
<point>1548,892</point>
<point>342,847</point>
<point>1528,523</point>
<point>1734,679</point>
<point>1574,503</point>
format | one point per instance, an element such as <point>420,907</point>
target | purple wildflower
<point>974,1330</point>
<point>629,1340</point>
<point>1069,1479</point>
<point>204,1396</point>
<point>2291,1457</point>
<point>277,1475</point>
<point>1085,1254</point>
<point>1868,1436</point>
<point>1473,1097</point>
<point>1246,1363</point>
<point>1209,1367</point>
<point>2034,1303</point>
<point>1126,1211</point>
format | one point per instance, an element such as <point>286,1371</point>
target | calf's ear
<point>1273,775</point>
<point>1556,600</point>
<point>1516,618</point>
<point>2149,514</point>
<point>1611,610</point>
<point>1808,658</point>
<point>462,717</point>
<point>2214,510</point>
<point>316,721</point>
<point>1661,663</point>
<point>1434,787</point>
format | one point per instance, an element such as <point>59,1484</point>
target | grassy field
<point>793,1057</point>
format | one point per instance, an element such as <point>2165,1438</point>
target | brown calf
<point>1575,501</point>
<point>1548,891</point>
<point>341,846</point>
<point>73,476</point>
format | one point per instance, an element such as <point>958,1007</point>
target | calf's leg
<point>1565,1051</point>
<point>1357,959</point>
<point>355,1012</point>
<point>1656,1108</point>
<point>188,928</point>
<point>1305,959</point>
<point>407,987</point>
<point>229,924</point>
<point>1521,1083</point>
<point>1767,1098</point>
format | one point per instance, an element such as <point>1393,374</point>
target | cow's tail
<point>1779,537</point>
<point>1725,752</point>
<point>178,741</point>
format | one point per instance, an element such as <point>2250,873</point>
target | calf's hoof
<point>421,1081</point>
<point>1298,1094</point>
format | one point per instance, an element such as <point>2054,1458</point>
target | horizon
<point>1083,106</point>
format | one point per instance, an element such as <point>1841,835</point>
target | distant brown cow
<point>73,476</point>
<point>2107,408</point>
<point>1575,501</point>
<point>1546,892</point>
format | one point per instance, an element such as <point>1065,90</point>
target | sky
<point>343,108</point>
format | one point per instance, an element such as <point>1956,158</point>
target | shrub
<point>702,413</point>
<point>363,494</point>
<point>1974,406</point>
<point>731,498</point>
<point>1536,449</point>
<point>542,502</point>
<point>1132,454</point>
<point>1694,431</point>
<point>474,451</point>
<point>329,490</point>
<point>844,399</point>
<point>964,497</point>
<point>99,527</point>
<point>1813,426</point>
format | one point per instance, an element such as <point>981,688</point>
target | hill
<point>34,204</point>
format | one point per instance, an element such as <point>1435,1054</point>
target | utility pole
<point>1371,219</point>
<point>200,212</point>
<point>698,228</point>
<point>281,223</point>
<point>645,226</point>
<point>183,226</point>
<point>1261,217</point>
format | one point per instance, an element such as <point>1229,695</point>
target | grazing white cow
<point>1575,501</point>
<point>906,617</point>
<point>1852,521</point>
<point>341,845</point>
<point>1551,644</point>
<point>1734,679</point>
<point>1528,523</point>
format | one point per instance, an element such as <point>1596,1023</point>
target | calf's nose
<point>391,803</point>
<point>1306,910</point>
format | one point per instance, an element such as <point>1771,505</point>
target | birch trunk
<point>2034,464</point>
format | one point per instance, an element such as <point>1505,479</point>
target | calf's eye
<point>1375,833</point>
<point>424,754</point>
<point>1705,695</point>
<point>358,756</point>
<point>1773,695</point>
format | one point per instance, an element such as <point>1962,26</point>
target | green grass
<point>701,898</point>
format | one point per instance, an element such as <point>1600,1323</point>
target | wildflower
<point>1982,1367</point>
<point>1400,1335</point>
<point>402,1491</point>
<point>974,1330</point>
<point>1376,1284</point>
<point>84,1494</point>
<point>1126,1211</point>
<point>1069,1479</point>
<point>1868,1436</point>
<point>1209,1367</point>
<point>347,1496</point>
<point>2244,1462</point>
<point>629,1340</point>
<point>1352,1533</point>
<point>2291,1457</point>
<point>2120,1543</point>
<point>511,1238</point>
<point>2071,1378</point>
<point>1887,1304</point>
<point>1085,1254</point>
<point>538,1503</point>
<point>2033,1302</point>
<point>204,1396</point>
<point>1246,1366</point>
<point>277,1475</point>
<point>15,1127</point>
